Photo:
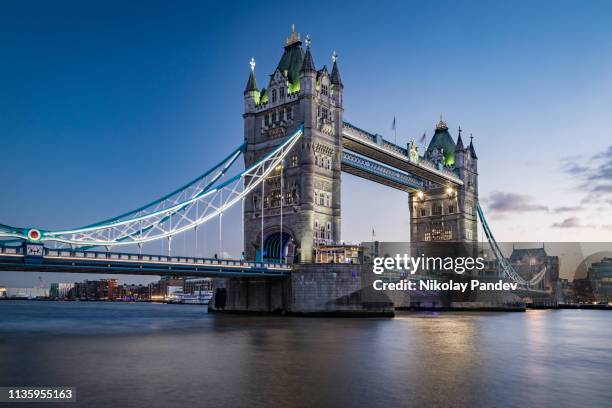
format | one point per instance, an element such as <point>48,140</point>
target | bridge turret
<point>445,213</point>
<point>337,85</point>
<point>251,91</point>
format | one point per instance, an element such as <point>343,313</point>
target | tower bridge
<point>296,146</point>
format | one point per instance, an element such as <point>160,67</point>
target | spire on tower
<point>441,124</point>
<point>293,37</point>
<point>252,82</point>
<point>471,147</point>
<point>335,76</point>
<point>459,141</point>
<point>308,63</point>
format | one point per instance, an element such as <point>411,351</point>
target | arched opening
<point>277,249</point>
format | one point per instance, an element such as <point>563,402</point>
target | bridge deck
<point>78,261</point>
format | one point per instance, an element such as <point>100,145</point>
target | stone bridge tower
<point>443,215</point>
<point>310,198</point>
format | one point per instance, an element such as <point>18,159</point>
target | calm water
<point>148,355</point>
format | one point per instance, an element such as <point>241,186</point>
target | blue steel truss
<point>382,172</point>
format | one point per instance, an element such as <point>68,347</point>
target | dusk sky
<point>108,105</point>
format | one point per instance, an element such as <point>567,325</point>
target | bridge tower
<point>444,214</point>
<point>310,198</point>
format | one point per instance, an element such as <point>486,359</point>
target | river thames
<point>157,355</point>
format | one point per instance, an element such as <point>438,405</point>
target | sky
<point>106,105</point>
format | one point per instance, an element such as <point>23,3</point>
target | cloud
<point>594,176</point>
<point>566,209</point>
<point>501,202</point>
<point>572,222</point>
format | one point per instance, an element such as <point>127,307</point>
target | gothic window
<point>255,202</point>
<point>267,120</point>
<point>275,117</point>
<point>273,95</point>
<point>289,114</point>
<point>281,92</point>
<point>423,212</point>
<point>294,196</point>
<point>325,90</point>
<point>288,197</point>
<point>440,233</point>
<point>451,209</point>
<point>468,234</point>
<point>275,199</point>
<point>325,113</point>
<point>316,197</point>
<point>436,209</point>
<point>469,207</point>
<point>427,233</point>
<point>321,199</point>
<point>294,160</point>
<point>328,236</point>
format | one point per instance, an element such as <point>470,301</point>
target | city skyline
<point>139,103</point>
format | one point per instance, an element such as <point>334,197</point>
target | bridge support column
<point>252,295</point>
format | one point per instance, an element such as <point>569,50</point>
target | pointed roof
<point>291,61</point>
<point>471,147</point>
<point>459,142</point>
<point>252,82</point>
<point>308,63</point>
<point>443,140</point>
<point>335,76</point>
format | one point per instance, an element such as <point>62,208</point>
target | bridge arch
<point>278,247</point>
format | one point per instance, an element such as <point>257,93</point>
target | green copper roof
<point>443,140</point>
<point>291,62</point>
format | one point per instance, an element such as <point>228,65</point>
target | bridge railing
<point>145,258</point>
<point>129,257</point>
<point>11,250</point>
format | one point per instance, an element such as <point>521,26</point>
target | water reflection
<point>160,355</point>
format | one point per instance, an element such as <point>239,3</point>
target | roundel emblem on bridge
<point>34,234</point>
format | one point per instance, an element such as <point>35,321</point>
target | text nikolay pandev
<point>423,265</point>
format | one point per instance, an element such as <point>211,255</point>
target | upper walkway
<point>375,147</point>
